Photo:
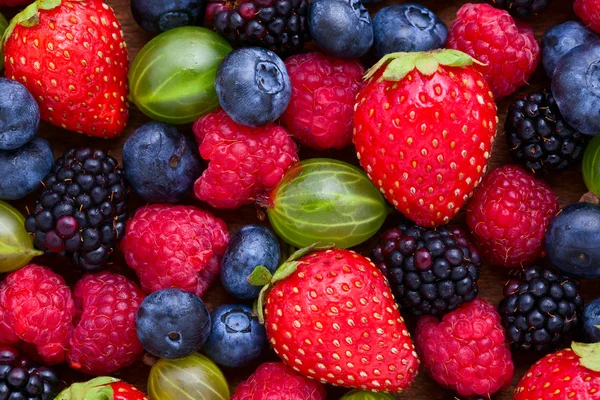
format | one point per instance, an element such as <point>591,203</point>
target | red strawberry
<point>423,129</point>
<point>70,54</point>
<point>102,388</point>
<point>330,315</point>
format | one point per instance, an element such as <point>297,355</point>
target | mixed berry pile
<point>354,139</point>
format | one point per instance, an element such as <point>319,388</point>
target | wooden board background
<point>568,187</point>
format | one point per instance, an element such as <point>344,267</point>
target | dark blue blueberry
<point>253,86</point>
<point>576,87</point>
<point>161,15</point>
<point>560,39</point>
<point>160,163</point>
<point>341,28</point>
<point>591,321</point>
<point>236,337</point>
<point>172,323</point>
<point>251,246</point>
<point>407,28</point>
<point>572,239</point>
<point>23,169</point>
<point>19,115</point>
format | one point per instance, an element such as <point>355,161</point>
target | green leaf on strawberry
<point>589,354</point>
<point>95,389</point>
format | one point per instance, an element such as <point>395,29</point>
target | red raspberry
<point>36,307</point>
<point>105,339</point>
<point>175,246</point>
<point>276,381</point>
<point>323,92</point>
<point>244,161</point>
<point>492,36</point>
<point>589,12</point>
<point>466,352</point>
<point>508,216</point>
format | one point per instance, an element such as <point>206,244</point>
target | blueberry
<point>236,337</point>
<point>251,246</point>
<point>341,28</point>
<point>572,239</point>
<point>560,39</point>
<point>161,15</point>
<point>160,163</point>
<point>253,86</point>
<point>23,169</point>
<point>172,323</point>
<point>19,115</point>
<point>576,87</point>
<point>591,321</point>
<point>407,28</point>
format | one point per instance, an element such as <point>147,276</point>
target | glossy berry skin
<point>22,379</point>
<point>521,8</point>
<point>352,308</point>
<point>36,308</point>
<point>253,86</point>
<point>508,50</point>
<point>560,372</point>
<point>76,89</point>
<point>158,16</point>
<point>589,12</point>
<point>508,216</point>
<point>23,169</point>
<point>104,339</point>
<point>248,248</point>
<point>160,163</point>
<point>466,351</point>
<point>541,309</point>
<point>275,380</point>
<point>571,240</point>
<point>560,39</point>
<point>243,162</point>
<point>19,115</point>
<point>236,337</point>
<point>407,27</point>
<point>172,323</point>
<point>341,28</point>
<point>591,320</point>
<point>320,112</point>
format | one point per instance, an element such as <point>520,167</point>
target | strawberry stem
<point>96,389</point>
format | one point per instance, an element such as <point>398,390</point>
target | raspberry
<point>508,216</point>
<point>276,381</point>
<point>36,307</point>
<point>323,91</point>
<point>175,246</point>
<point>492,36</point>
<point>244,161</point>
<point>105,338</point>
<point>589,12</point>
<point>466,352</point>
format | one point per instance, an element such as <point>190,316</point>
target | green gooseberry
<point>3,26</point>
<point>327,201</point>
<point>363,395</point>
<point>172,78</point>
<point>192,377</point>
<point>591,166</point>
<point>16,245</point>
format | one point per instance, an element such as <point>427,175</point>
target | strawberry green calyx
<point>96,389</point>
<point>30,16</point>
<point>262,277</point>
<point>398,65</point>
<point>589,354</point>
<point>3,26</point>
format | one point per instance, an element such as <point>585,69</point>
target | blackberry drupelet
<point>82,208</point>
<point>538,136</point>
<point>539,309</point>
<point>430,271</point>
<point>279,25</point>
<point>521,8</point>
<point>23,380</point>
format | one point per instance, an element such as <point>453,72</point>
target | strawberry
<point>424,125</point>
<point>102,388</point>
<point>70,54</point>
<point>330,315</point>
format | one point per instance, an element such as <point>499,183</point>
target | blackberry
<point>24,380</point>
<point>430,271</point>
<point>540,309</point>
<point>82,208</point>
<point>538,136</point>
<point>521,8</point>
<point>279,25</point>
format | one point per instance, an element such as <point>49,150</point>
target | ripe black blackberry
<point>521,8</point>
<point>430,271</point>
<point>23,380</point>
<point>540,309</point>
<point>538,136</point>
<point>82,208</point>
<point>279,25</point>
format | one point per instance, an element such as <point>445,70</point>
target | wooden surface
<point>568,186</point>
